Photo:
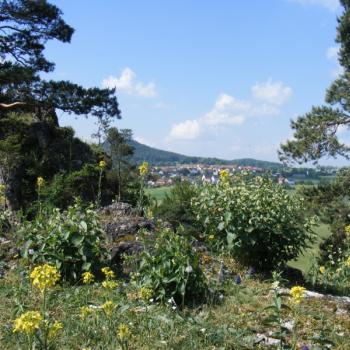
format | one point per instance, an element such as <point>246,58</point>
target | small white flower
<point>174,307</point>
<point>203,330</point>
<point>189,269</point>
<point>151,300</point>
<point>31,251</point>
<point>275,285</point>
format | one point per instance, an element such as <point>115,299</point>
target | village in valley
<point>167,175</point>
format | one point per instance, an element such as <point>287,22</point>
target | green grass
<point>231,323</point>
<point>304,261</point>
<point>158,193</point>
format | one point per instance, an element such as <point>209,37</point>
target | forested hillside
<point>156,156</point>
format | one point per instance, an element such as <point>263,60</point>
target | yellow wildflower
<point>88,277</point>
<point>143,169</point>
<point>28,322</point>
<point>108,307</point>
<point>206,259</point>
<point>211,237</point>
<point>108,272</point>
<point>124,332</point>
<point>145,293</point>
<point>85,311</point>
<point>102,164</point>
<point>348,261</point>
<point>297,294</point>
<point>55,329</point>
<point>45,276</point>
<point>322,269</point>
<point>223,174</point>
<point>40,182</point>
<point>347,230</point>
<point>2,188</point>
<point>109,284</point>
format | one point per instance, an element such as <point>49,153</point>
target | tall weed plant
<point>254,218</point>
<point>71,240</point>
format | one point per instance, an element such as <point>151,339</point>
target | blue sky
<point>210,78</point>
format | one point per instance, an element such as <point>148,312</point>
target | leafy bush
<point>71,240</point>
<point>176,208</point>
<point>64,188</point>
<point>256,219</point>
<point>170,267</point>
<point>334,275</point>
<point>330,202</point>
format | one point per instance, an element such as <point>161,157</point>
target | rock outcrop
<point>122,223</point>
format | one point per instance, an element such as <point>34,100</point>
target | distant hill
<point>156,156</point>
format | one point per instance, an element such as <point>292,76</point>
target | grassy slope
<point>231,324</point>
<point>304,261</point>
<point>158,193</point>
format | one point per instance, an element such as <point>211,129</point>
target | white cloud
<point>160,105</point>
<point>274,93</point>
<point>332,55</point>
<point>127,82</point>
<point>187,130</point>
<point>331,5</point>
<point>144,141</point>
<point>267,98</point>
<point>227,110</point>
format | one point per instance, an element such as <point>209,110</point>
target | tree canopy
<point>316,134</point>
<point>25,28</point>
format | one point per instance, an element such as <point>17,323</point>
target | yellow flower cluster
<point>145,293</point>
<point>44,277</point>
<point>55,329</point>
<point>211,237</point>
<point>2,193</point>
<point>85,311</point>
<point>28,322</point>
<point>347,230</point>
<point>322,269</point>
<point>297,294</point>
<point>223,174</point>
<point>206,259</point>
<point>108,307</point>
<point>348,261</point>
<point>143,169</point>
<point>88,277</point>
<point>124,332</point>
<point>40,182</point>
<point>102,164</point>
<point>109,284</point>
<point>108,272</point>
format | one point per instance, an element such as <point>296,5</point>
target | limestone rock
<point>120,219</point>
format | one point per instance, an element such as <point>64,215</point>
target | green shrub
<point>333,273</point>
<point>256,219</point>
<point>176,208</point>
<point>64,188</point>
<point>169,266</point>
<point>71,240</point>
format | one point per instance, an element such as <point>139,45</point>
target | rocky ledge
<point>121,223</point>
